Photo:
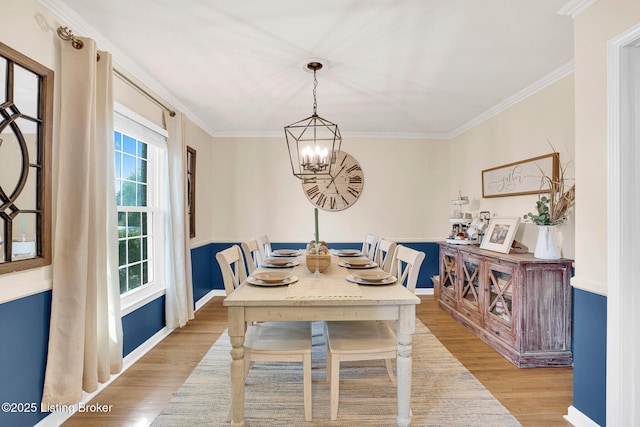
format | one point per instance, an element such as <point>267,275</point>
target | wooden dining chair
<point>269,341</point>
<point>252,254</point>
<point>384,254</point>
<point>265,245</point>
<point>369,246</point>
<point>368,339</point>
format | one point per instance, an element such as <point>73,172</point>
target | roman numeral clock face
<point>340,192</point>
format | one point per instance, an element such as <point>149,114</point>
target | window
<point>26,108</point>
<point>140,161</point>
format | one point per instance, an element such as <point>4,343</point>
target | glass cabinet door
<point>501,280</point>
<point>448,272</point>
<point>470,290</point>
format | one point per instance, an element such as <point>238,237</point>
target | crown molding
<point>575,7</point>
<point>347,134</point>
<point>123,63</point>
<point>537,86</point>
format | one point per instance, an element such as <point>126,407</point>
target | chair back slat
<point>406,266</point>
<point>232,266</point>
<point>384,253</point>
<point>369,246</point>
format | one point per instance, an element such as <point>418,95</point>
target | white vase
<point>547,246</point>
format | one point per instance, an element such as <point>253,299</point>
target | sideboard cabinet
<point>517,304</point>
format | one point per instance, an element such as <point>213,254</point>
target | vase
<point>547,246</point>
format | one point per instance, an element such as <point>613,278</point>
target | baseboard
<point>55,419</point>
<point>209,296</point>
<point>578,419</point>
<point>424,291</point>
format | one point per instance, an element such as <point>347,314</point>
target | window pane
<point>133,228</point>
<point>142,195</point>
<point>142,149</point>
<point>129,145</point>
<point>135,254</point>
<point>135,276</point>
<point>145,242</point>
<point>145,272</point>
<point>118,165</point>
<point>123,280</point>
<point>117,140</point>
<point>128,167</point>
<point>128,194</point>
<point>122,252</point>
<point>142,170</point>
<point>118,193</point>
<point>144,224</point>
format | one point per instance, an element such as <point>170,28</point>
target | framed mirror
<point>26,102</point>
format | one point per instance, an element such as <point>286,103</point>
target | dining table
<point>324,296</point>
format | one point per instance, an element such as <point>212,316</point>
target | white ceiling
<point>422,68</point>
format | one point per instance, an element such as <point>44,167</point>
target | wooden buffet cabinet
<point>517,304</point>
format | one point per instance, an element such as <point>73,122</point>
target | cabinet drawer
<point>447,299</point>
<point>502,331</point>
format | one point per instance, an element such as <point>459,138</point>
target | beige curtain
<point>179,290</point>
<point>85,338</point>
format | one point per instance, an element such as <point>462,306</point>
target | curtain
<point>179,291</point>
<point>85,337</point>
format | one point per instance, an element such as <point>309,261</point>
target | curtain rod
<point>65,34</point>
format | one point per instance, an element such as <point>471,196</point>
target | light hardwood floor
<point>536,397</point>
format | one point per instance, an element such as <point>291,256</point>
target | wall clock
<point>339,192</point>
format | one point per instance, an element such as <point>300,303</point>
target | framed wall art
<point>523,177</point>
<point>500,234</point>
<point>191,190</point>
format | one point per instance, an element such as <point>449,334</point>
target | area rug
<point>444,393</point>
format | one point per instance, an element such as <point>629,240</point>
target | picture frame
<point>522,177</point>
<point>500,234</point>
<point>191,190</point>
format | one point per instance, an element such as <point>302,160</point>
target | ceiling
<point>412,68</point>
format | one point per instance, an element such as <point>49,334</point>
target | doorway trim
<point>623,296</point>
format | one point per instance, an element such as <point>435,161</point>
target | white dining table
<point>328,296</point>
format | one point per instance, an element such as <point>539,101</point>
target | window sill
<point>133,300</point>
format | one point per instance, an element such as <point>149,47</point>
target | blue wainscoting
<point>24,337</point>
<point>143,323</point>
<point>590,355</point>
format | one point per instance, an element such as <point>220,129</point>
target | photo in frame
<point>500,234</point>
<point>523,177</point>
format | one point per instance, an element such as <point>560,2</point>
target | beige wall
<point>518,133</point>
<point>404,196</point>
<point>203,144</point>
<point>593,28</point>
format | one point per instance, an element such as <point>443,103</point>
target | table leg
<point>405,327</point>
<point>237,329</point>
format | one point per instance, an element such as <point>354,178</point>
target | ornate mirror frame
<point>26,114</point>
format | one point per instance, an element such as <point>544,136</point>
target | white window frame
<point>131,123</point>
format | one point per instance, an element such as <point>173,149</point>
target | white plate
<point>348,252</point>
<point>389,280</point>
<point>271,276</point>
<point>372,275</point>
<point>278,265</point>
<point>278,260</point>
<point>285,252</point>
<point>355,261</point>
<point>253,281</point>
<point>347,265</point>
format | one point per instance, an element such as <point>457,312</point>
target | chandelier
<point>313,142</point>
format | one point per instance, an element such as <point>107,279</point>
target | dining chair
<point>384,254</point>
<point>269,341</point>
<point>265,245</point>
<point>369,339</point>
<point>252,254</point>
<point>369,246</point>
